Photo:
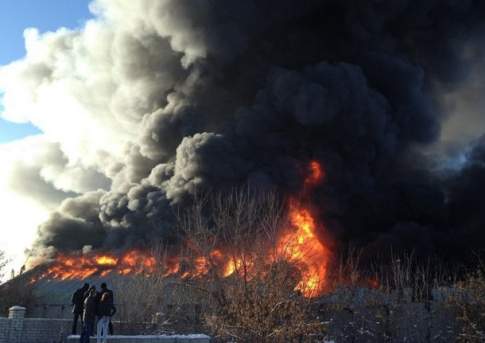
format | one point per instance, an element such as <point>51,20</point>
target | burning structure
<point>298,244</point>
<point>152,102</point>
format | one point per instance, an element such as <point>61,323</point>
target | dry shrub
<point>408,278</point>
<point>265,309</point>
<point>257,303</point>
<point>139,297</point>
<point>470,302</point>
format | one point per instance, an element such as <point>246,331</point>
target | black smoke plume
<point>226,93</point>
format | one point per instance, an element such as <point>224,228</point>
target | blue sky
<point>46,15</point>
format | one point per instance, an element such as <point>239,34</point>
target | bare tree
<point>253,299</point>
<point>3,264</point>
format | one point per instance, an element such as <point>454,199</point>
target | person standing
<point>106,310</point>
<point>105,289</point>
<point>77,302</point>
<point>89,315</point>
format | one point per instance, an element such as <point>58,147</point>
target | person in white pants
<point>106,310</point>
<point>102,330</point>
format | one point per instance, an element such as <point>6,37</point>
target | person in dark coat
<point>106,310</point>
<point>105,289</point>
<point>89,314</point>
<point>77,301</point>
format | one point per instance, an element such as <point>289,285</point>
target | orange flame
<point>301,246</point>
<point>316,174</point>
<point>82,267</point>
<point>106,260</point>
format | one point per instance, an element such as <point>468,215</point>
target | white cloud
<point>20,214</point>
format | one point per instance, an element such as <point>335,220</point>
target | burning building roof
<point>298,243</point>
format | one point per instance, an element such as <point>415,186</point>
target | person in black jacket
<point>89,314</point>
<point>106,310</point>
<point>77,301</point>
<point>105,289</point>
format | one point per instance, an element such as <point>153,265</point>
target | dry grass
<point>470,304</point>
<point>263,310</point>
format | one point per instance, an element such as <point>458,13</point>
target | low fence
<point>20,329</point>
<point>150,339</point>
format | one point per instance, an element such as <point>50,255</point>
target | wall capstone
<point>16,312</point>
<point>16,315</point>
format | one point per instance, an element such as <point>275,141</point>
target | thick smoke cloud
<point>162,99</point>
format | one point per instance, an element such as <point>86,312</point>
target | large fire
<point>82,267</point>
<point>301,246</point>
<point>298,244</point>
